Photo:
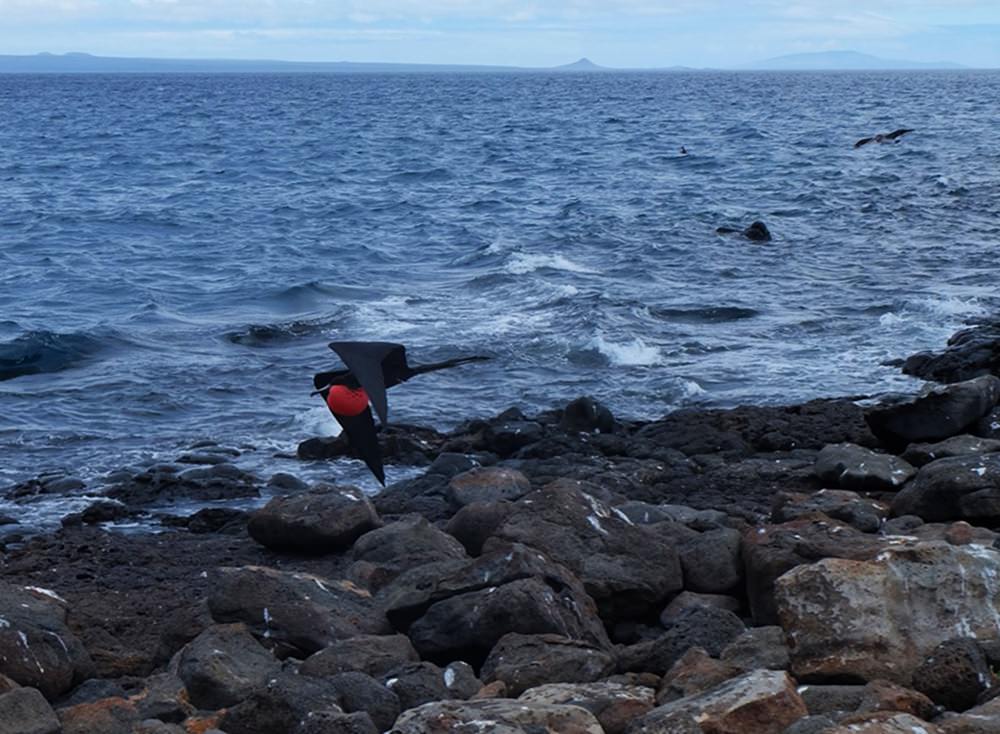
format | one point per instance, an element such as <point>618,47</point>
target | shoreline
<point>833,565</point>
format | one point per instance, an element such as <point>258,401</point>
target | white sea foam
<point>892,319</point>
<point>317,421</point>
<point>521,263</point>
<point>691,389</point>
<point>635,353</point>
<point>952,306</point>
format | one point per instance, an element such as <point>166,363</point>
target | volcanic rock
<point>324,519</point>
<point>526,661</point>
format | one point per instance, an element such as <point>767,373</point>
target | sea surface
<point>177,250</point>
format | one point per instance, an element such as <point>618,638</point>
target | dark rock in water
<point>286,482</point>
<point>935,415</point>
<point>295,613</point>
<point>859,469</point>
<point>962,487</point>
<point>37,648</point>
<point>104,511</point>
<point>279,705</point>
<point>970,353</point>
<point>25,711</point>
<point>955,674</point>
<point>223,666</point>
<point>383,554</point>
<point>324,519</point>
<point>163,484</point>
<point>757,232</point>
<point>626,568</point>
<point>400,444</point>
<point>859,512</point>
<point>706,627</point>
<point>586,415</point>
<point>919,454</point>
<point>371,654</point>
<point>526,661</point>
<point>217,520</point>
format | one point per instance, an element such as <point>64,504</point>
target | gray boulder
<point>371,654</point>
<point>25,711</point>
<point>526,661</point>
<point>382,554</point>
<point>711,561</point>
<point>488,484</point>
<point>326,518</point>
<point>707,627</point>
<point>919,454</point>
<point>959,488</point>
<point>855,468</point>
<point>223,666</point>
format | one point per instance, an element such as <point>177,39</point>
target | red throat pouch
<point>342,400</point>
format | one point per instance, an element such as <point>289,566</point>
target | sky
<point>617,33</point>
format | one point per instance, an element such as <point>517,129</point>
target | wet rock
<point>284,700</point>
<point>864,514</point>
<point>37,648</point>
<point>473,525</point>
<point>599,544</point>
<point>496,716</point>
<point>772,550</point>
<point>711,561</point>
<point>935,415</point>
<point>108,716</point>
<point>919,454</point>
<point>694,673</point>
<point>402,545</point>
<point>371,654</point>
<point>295,613</point>
<point>163,484</point>
<point>614,705</point>
<point>488,484</point>
<point>859,469</point>
<point>960,488</point>
<point>970,353</point>
<point>324,519</point>
<point>763,702</point>
<point>223,666</point>
<point>586,415</point>
<point>705,627</point>
<point>460,609</point>
<point>25,711</point>
<point>878,618</point>
<point>955,674</point>
<point>526,661</point>
<point>287,483</point>
<point>104,511</point>
<point>758,648</point>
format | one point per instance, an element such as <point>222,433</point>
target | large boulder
<point>771,550</point>
<point>37,649</point>
<point>858,469</point>
<point>415,684</point>
<point>382,554</point>
<point>371,654</point>
<point>224,665</point>
<point>970,353</point>
<point>878,618</point>
<point>711,561</point>
<point>936,414</point>
<point>862,513</point>
<point>108,716</point>
<point>625,567</point>
<point>280,705</point>
<point>955,674</point>
<point>959,488</point>
<point>460,609</point>
<point>488,484</point>
<point>525,661</point>
<point>710,628</point>
<point>295,613</point>
<point>498,716</point>
<point>614,704</point>
<point>25,711</point>
<point>919,454</point>
<point>326,518</point>
<point>762,702</point>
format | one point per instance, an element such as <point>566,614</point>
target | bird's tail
<point>423,368</point>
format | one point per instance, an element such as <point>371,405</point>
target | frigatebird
<point>371,368</point>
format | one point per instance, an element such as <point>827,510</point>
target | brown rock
<point>615,705</point>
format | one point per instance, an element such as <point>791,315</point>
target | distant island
<point>83,63</point>
<point>843,61</point>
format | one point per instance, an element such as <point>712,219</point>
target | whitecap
<point>521,263</point>
<point>317,421</point>
<point>635,353</point>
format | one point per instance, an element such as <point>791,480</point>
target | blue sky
<point>622,33</point>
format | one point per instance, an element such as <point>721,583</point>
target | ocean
<point>177,250</point>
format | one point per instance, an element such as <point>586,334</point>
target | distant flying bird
<point>880,138</point>
<point>372,368</point>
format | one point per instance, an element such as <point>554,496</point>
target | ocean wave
<point>635,353</point>
<point>263,335</point>
<point>37,352</point>
<point>521,263</point>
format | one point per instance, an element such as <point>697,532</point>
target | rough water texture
<point>175,251</point>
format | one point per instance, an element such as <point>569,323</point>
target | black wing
<point>365,361</point>
<point>896,133</point>
<point>361,433</point>
<point>863,141</point>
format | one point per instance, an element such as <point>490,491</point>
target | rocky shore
<point>828,567</point>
